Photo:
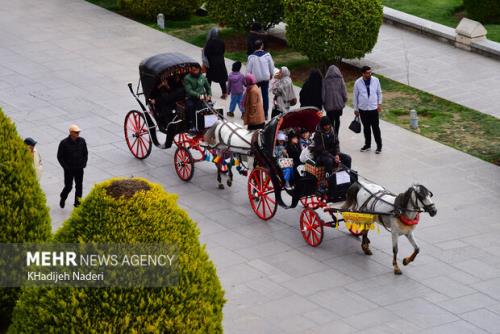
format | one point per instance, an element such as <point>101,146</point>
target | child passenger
<point>235,87</point>
<point>281,155</point>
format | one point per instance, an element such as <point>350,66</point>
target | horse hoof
<point>366,250</point>
<point>221,186</point>
<point>406,262</point>
<point>229,183</point>
<point>397,271</point>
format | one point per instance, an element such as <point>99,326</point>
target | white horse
<point>398,214</point>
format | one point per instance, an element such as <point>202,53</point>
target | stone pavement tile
<point>222,257</point>
<point>276,275</point>
<point>478,268</point>
<point>296,324</point>
<point>457,327</point>
<point>370,319</point>
<point>284,308</point>
<point>232,240</point>
<point>448,286</point>
<point>490,288</point>
<point>356,265</point>
<point>264,250</point>
<point>437,269</point>
<point>342,301</point>
<point>422,313</point>
<point>484,319</point>
<point>270,289</point>
<point>317,282</point>
<point>239,274</point>
<point>336,326</point>
<point>322,316</point>
<point>467,303</point>
<point>295,263</point>
<point>244,322</point>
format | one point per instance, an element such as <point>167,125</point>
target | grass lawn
<point>447,12</point>
<point>446,122</point>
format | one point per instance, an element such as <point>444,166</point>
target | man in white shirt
<point>261,65</point>
<point>367,102</point>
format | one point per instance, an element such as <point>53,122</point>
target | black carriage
<point>141,127</point>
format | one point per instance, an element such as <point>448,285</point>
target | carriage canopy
<point>163,65</point>
<point>307,118</point>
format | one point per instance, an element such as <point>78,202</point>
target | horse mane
<point>401,201</point>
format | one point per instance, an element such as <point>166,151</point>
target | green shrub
<point>24,216</point>
<point>484,11</point>
<point>328,30</point>
<point>149,9</point>
<point>144,213</point>
<point>240,14</point>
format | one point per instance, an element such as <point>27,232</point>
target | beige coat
<point>37,163</point>
<point>254,108</point>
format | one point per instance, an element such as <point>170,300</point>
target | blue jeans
<point>264,88</point>
<point>235,100</point>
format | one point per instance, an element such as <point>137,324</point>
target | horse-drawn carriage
<point>229,145</point>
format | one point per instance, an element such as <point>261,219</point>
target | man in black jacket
<point>325,147</point>
<point>72,155</point>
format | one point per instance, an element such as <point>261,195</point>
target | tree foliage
<point>240,14</point>
<point>329,30</point>
<point>24,216</point>
<point>143,214</point>
<point>149,9</point>
<point>484,11</point>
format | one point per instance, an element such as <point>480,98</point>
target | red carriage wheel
<point>137,134</point>
<point>311,202</point>
<point>261,194</point>
<point>184,164</point>
<point>311,227</point>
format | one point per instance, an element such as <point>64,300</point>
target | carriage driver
<point>325,147</point>
<point>197,87</point>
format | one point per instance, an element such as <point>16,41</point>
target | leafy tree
<point>24,216</point>
<point>149,9</point>
<point>129,211</point>
<point>329,30</point>
<point>484,11</point>
<point>240,14</point>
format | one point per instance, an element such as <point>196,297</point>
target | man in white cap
<point>72,155</point>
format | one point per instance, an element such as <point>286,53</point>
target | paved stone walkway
<point>67,61</point>
<point>438,68</point>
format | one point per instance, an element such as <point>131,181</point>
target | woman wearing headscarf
<point>253,116</point>
<point>334,95</point>
<point>284,94</point>
<point>214,52</point>
<point>311,93</point>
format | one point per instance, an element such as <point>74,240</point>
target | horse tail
<point>351,197</point>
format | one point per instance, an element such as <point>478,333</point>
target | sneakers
<point>61,203</point>
<point>365,148</point>
<point>379,150</point>
<point>230,114</point>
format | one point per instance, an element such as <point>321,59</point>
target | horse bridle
<point>426,207</point>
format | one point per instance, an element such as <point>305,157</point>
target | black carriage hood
<point>151,68</point>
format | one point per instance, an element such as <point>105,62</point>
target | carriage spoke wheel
<point>261,194</point>
<point>311,202</point>
<point>184,164</point>
<point>137,134</point>
<point>311,227</point>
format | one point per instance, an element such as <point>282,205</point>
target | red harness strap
<point>407,221</point>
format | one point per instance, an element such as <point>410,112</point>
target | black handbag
<point>355,125</point>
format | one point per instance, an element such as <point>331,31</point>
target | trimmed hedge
<point>240,14</point>
<point>328,30</point>
<point>145,213</point>
<point>484,11</point>
<point>149,9</point>
<point>24,216</point>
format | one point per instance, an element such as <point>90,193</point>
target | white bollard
<point>413,119</point>
<point>160,21</point>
